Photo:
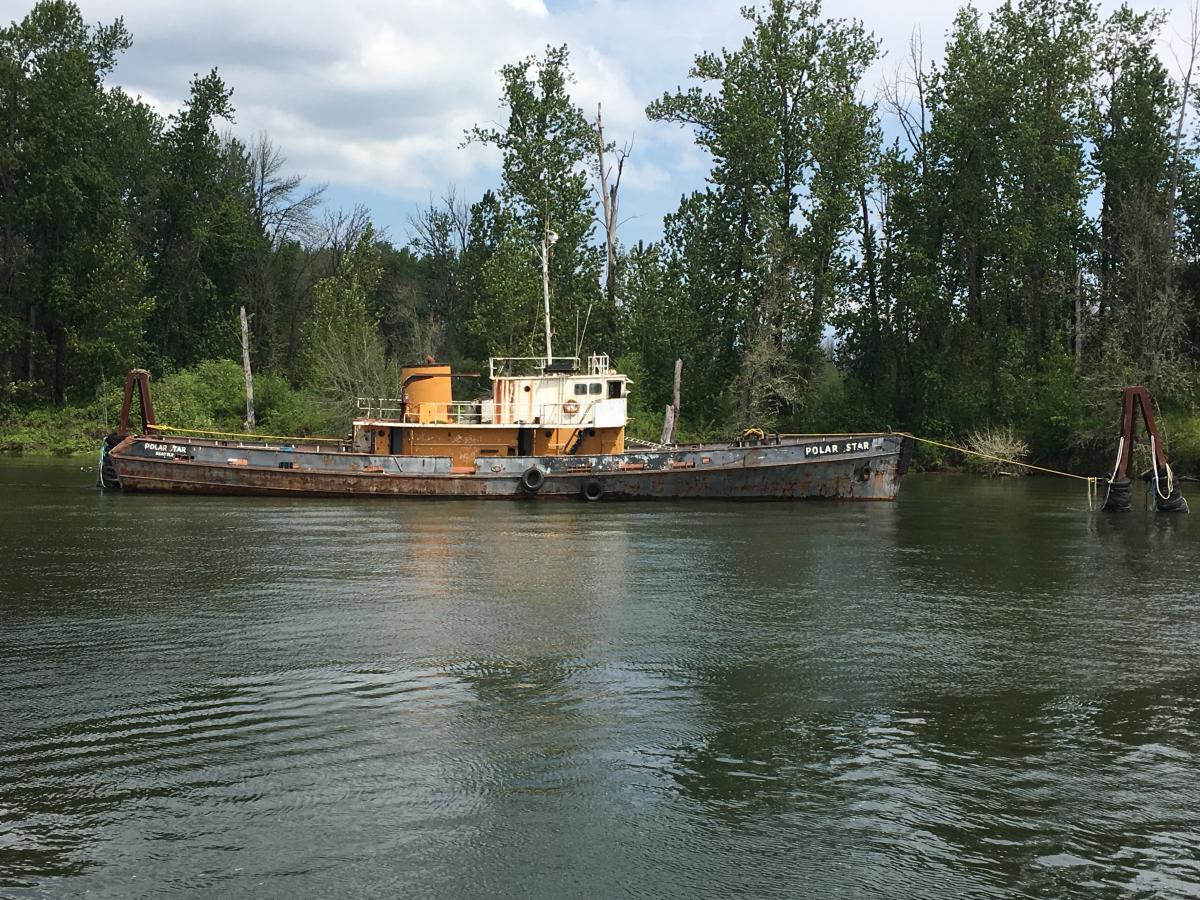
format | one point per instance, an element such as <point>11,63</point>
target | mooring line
<point>1000,459</point>
<point>1092,480</point>
<point>291,439</point>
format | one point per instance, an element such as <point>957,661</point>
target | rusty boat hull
<point>855,467</point>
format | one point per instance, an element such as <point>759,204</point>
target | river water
<point>979,690</point>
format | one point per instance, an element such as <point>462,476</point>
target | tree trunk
<point>868,243</point>
<point>31,342</point>
<point>608,202</point>
<point>60,366</point>
<point>668,429</point>
<point>671,415</point>
<point>1079,316</point>
<point>9,363</point>
<point>246,370</point>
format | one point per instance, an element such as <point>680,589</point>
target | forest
<point>1002,237</point>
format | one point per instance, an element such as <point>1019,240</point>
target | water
<point>980,690</point>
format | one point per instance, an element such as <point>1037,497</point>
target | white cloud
<point>375,95</point>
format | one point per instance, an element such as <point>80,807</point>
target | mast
<point>547,242</point>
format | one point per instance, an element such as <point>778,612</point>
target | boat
<point>551,427</point>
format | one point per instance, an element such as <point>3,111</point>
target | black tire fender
<point>592,490</point>
<point>532,480</point>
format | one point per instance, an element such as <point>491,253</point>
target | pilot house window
<point>595,388</point>
<point>614,390</point>
<point>581,390</point>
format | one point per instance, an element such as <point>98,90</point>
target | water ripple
<point>962,694</point>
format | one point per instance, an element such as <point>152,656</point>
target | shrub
<point>62,432</point>
<point>1181,438</point>
<point>1002,442</point>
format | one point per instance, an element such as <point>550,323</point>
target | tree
<point>609,189</point>
<point>982,224</point>
<point>544,192</point>
<point>439,236</point>
<point>1139,316</point>
<point>203,233</point>
<point>283,214</point>
<point>791,145</point>
<point>344,353</point>
<point>74,288</point>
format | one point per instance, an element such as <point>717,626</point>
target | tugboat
<point>551,428</point>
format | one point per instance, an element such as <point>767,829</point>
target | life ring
<point>532,480</point>
<point>571,406</point>
<point>592,490</point>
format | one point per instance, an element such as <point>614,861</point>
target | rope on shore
<point>291,439</point>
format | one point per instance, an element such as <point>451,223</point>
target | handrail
<point>598,364</point>
<point>478,412</point>
<point>510,366</point>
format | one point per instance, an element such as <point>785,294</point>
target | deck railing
<point>570,413</point>
<point>529,366</point>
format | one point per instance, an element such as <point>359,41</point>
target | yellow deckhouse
<point>539,406</point>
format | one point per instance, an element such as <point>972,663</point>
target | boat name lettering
<point>165,449</point>
<point>836,447</point>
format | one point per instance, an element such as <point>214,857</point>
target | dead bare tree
<point>338,231</point>
<point>442,227</point>
<point>907,96</point>
<point>341,230</point>
<point>439,233</point>
<point>282,211</point>
<point>1185,72</point>
<point>608,200</point>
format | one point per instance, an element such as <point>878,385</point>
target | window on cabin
<point>581,390</point>
<point>595,388</point>
<point>614,390</point>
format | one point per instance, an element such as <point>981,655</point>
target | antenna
<point>579,338</point>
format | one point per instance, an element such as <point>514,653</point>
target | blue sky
<point>372,96</point>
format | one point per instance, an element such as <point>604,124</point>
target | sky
<point>373,97</point>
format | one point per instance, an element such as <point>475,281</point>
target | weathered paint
<point>862,469</point>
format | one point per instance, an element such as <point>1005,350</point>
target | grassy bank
<point>209,396</point>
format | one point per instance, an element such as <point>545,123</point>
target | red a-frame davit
<point>1166,488</point>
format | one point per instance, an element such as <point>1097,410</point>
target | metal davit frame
<point>140,379</point>
<point>1135,400</point>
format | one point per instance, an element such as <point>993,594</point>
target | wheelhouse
<point>538,406</point>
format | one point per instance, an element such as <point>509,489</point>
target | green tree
<point>202,235</point>
<point>545,145</point>
<point>791,145</point>
<point>1140,315</point>
<point>344,354</point>
<point>983,230</point>
<point>74,287</point>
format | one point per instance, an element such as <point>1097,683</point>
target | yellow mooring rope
<point>1011,462</point>
<point>1092,481</point>
<point>998,459</point>
<point>246,434</point>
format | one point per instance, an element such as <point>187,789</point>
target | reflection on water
<point>979,690</point>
